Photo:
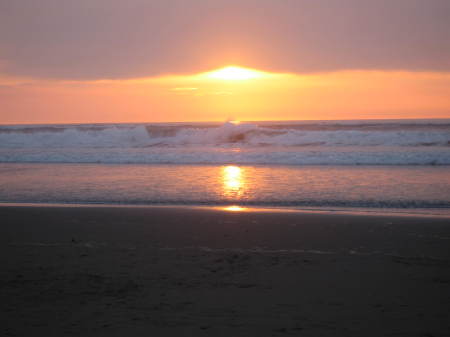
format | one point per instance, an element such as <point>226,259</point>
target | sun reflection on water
<point>234,208</point>
<point>233,181</point>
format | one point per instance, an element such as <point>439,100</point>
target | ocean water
<point>410,142</point>
<point>388,164</point>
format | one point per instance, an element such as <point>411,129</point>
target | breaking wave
<point>353,142</point>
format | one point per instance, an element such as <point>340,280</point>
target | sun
<point>233,73</point>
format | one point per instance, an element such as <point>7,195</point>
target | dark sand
<point>162,271</point>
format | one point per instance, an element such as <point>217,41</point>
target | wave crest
<point>246,143</point>
<point>245,135</point>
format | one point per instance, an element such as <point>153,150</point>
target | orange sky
<point>94,61</point>
<point>204,97</point>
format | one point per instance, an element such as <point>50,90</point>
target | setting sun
<point>233,73</point>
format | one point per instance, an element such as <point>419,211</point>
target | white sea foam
<point>320,143</point>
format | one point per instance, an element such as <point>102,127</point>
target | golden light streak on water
<point>233,181</point>
<point>234,208</point>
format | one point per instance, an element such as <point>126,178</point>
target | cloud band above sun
<point>116,39</point>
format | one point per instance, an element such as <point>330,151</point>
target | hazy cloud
<point>91,39</point>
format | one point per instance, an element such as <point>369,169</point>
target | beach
<point>225,168</point>
<point>205,271</point>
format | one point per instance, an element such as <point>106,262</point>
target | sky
<point>93,61</point>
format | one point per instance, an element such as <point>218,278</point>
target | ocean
<point>396,165</point>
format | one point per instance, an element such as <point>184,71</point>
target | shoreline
<point>400,212</point>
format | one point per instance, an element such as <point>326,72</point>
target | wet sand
<point>174,271</point>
